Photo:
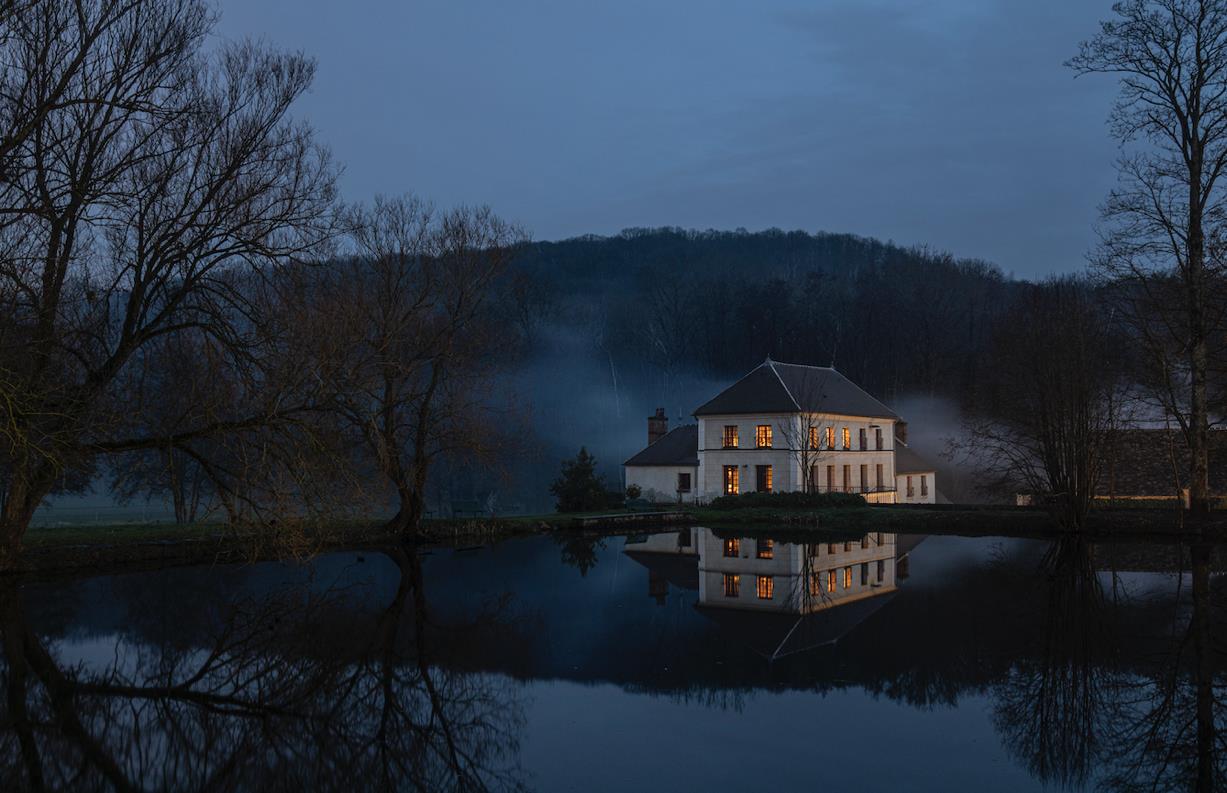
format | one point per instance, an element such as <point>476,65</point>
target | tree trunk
<point>1199,422</point>
<point>22,500</point>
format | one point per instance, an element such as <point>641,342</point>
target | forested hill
<point>897,320</point>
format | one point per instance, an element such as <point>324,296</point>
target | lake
<point>700,659</point>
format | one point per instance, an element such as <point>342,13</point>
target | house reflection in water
<point>778,597</point>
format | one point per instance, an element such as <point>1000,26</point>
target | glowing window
<point>766,549</point>
<point>732,480</point>
<point>847,578</point>
<point>765,587</point>
<point>732,548</point>
<point>730,436</point>
<point>815,584</point>
<point>813,437</point>
<point>830,580</point>
<point>864,542</point>
<point>732,585</point>
<point>762,436</point>
<point>847,438</point>
<point>830,437</point>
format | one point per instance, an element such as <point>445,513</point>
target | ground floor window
<point>864,478</point>
<point>830,478</point>
<point>878,476</point>
<point>847,478</point>
<point>764,478</point>
<point>830,580</point>
<point>881,570</point>
<point>847,578</point>
<point>732,480</point>
<point>766,587</point>
<point>865,574</point>
<point>683,482</point>
<point>924,485</point>
<point>732,585</point>
<point>910,491</point>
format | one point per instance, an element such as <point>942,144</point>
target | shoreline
<point>103,549</point>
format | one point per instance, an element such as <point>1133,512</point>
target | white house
<point>784,427</point>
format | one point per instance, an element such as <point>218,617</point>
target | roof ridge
<point>776,372</point>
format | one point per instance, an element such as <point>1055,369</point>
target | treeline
<point>896,320</point>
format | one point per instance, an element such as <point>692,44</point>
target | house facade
<point>784,427</point>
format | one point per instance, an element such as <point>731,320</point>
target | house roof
<point>679,447</point>
<point>908,461</point>
<point>791,388</point>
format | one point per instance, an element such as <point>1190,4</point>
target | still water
<point>692,660</point>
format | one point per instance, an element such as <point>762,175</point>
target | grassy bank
<point>142,545</point>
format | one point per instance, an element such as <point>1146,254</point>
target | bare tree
<point>155,185</point>
<point>416,309</point>
<point>1165,220</point>
<point>1057,398</point>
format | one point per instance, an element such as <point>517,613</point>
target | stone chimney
<point>658,426</point>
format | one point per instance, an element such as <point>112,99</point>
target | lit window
<point>832,548</point>
<point>763,477</point>
<point>864,542</point>
<point>766,586</point>
<point>730,436</point>
<point>762,436</point>
<point>815,584</point>
<point>830,437</point>
<point>732,548</point>
<point>732,480</point>
<point>847,438</point>
<point>732,585</point>
<point>830,580</point>
<point>924,485</point>
<point>847,578</point>
<point>813,437</point>
<point>683,483</point>
<point>766,549</point>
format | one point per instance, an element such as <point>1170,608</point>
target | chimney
<point>658,426</point>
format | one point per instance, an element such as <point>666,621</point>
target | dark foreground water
<point>699,660</point>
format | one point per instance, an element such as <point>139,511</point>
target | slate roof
<point>679,447</point>
<point>790,388</point>
<point>909,462</point>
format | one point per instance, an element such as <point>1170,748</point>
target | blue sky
<point>947,124</point>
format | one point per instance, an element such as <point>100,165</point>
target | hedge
<point>789,501</point>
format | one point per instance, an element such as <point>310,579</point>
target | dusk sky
<point>952,123</point>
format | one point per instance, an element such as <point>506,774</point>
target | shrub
<point>633,492</point>
<point>789,501</point>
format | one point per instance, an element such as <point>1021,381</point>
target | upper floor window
<point>730,436</point>
<point>732,480</point>
<point>762,436</point>
<point>847,438</point>
<point>813,437</point>
<point>766,549</point>
<point>877,435</point>
<point>830,437</point>
<point>732,548</point>
<point>862,436</point>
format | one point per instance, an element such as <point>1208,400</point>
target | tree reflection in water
<point>293,695</point>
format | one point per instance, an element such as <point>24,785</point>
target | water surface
<point>700,659</point>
